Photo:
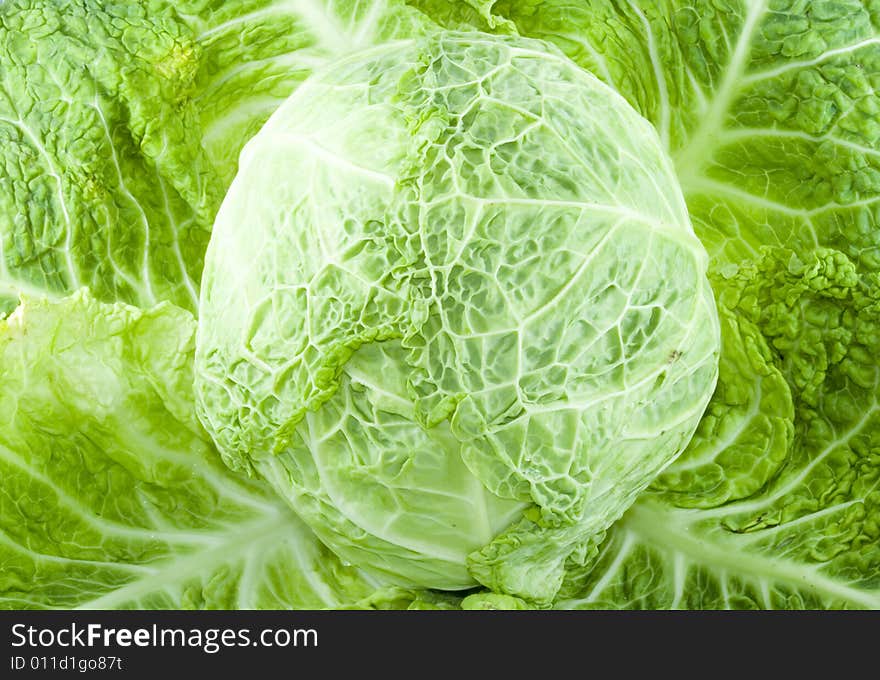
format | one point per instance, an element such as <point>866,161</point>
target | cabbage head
<point>454,311</point>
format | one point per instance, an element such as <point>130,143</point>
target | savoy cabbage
<point>461,306</point>
<point>468,321</point>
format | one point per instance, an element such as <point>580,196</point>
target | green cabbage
<point>415,197</point>
<point>454,310</point>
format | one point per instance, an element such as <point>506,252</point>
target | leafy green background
<point>115,129</point>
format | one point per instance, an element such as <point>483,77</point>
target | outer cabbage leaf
<point>453,278</point>
<point>112,494</point>
<point>103,181</point>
